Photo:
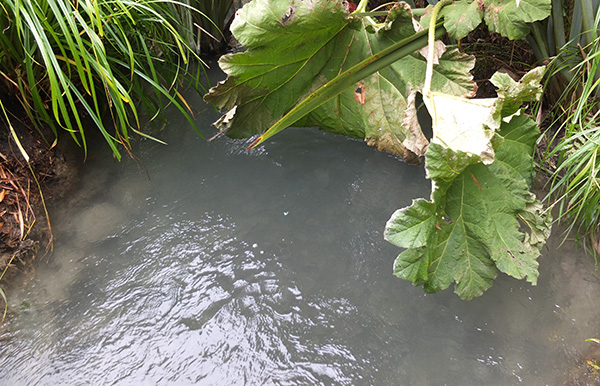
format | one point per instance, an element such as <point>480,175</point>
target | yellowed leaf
<point>462,124</point>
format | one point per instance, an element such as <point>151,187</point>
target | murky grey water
<point>228,267</point>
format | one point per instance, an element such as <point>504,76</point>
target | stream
<point>206,264</point>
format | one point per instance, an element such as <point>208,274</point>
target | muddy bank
<point>25,188</point>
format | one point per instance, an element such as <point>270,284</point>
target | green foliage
<point>480,163</point>
<point>564,37</point>
<point>304,66</point>
<point>295,48</point>
<point>206,30</point>
<point>509,18</point>
<point>575,147</point>
<point>471,228</point>
<point>299,48</point>
<point>64,59</point>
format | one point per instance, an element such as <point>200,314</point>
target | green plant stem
<point>558,24</point>
<point>431,44</point>
<point>50,245</point>
<point>541,44</point>
<point>587,12</point>
<point>372,13</point>
<point>14,134</point>
<point>362,6</point>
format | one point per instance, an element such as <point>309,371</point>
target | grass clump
<point>575,146</point>
<point>62,60</point>
<point>210,25</point>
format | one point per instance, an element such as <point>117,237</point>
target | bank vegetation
<point>68,67</point>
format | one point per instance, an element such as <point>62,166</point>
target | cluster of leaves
<point>471,227</point>
<point>574,140</point>
<point>63,59</point>
<point>295,47</point>
<point>315,63</point>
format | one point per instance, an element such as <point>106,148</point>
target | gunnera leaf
<point>472,227</point>
<point>510,17</point>
<point>462,17</point>
<point>506,17</point>
<point>294,47</point>
<point>482,218</point>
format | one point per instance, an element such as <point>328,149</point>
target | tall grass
<point>560,38</point>
<point>210,26</point>
<point>63,60</point>
<point>575,183</point>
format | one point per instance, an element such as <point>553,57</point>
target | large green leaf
<point>294,47</point>
<point>481,170</point>
<point>509,17</point>
<point>506,17</point>
<point>472,227</point>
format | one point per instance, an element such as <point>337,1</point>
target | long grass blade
<point>60,56</point>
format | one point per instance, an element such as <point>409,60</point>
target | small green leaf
<point>512,94</point>
<point>539,222</point>
<point>510,19</point>
<point>411,265</point>
<point>462,17</point>
<point>410,227</point>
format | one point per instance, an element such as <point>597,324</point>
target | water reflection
<point>228,267</point>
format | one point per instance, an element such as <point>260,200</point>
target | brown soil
<point>24,229</point>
